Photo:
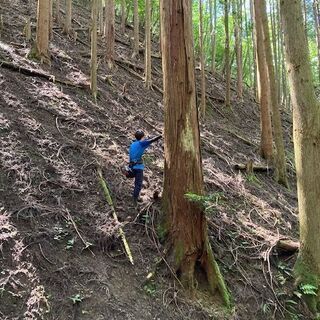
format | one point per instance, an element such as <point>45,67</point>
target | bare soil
<point>61,257</point>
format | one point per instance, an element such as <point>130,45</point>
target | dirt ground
<point>60,254</point>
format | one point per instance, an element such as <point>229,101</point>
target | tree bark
<point>100,17</point>
<point>68,18</point>
<point>279,157</point>
<point>237,14</point>
<point>254,54</point>
<point>123,16</point>
<point>57,14</point>
<point>306,138</point>
<point>42,38</point>
<point>135,29</point>
<point>148,81</point>
<point>93,61</point>
<point>110,32</point>
<point>227,53</point>
<point>316,14</point>
<point>203,77</point>
<point>264,94</point>
<point>186,222</point>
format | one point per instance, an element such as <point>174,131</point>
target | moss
<point>179,252</point>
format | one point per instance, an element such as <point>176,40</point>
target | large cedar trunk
<point>93,62</point>
<point>186,221</point>
<point>43,24</point>
<point>264,90</point>
<point>148,81</point>
<point>110,32</point>
<point>279,158</point>
<point>306,135</point>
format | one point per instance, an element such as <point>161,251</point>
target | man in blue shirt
<point>136,150</point>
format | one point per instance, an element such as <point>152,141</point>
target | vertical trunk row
<point>264,94</point>
<point>227,53</point>
<point>203,78</point>
<point>306,138</point>
<point>148,81</point>
<point>110,32</point>
<point>93,66</point>
<point>279,158</point>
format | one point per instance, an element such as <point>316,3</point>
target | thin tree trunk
<point>68,18</point>
<point>148,81</point>
<point>110,32</point>
<point>266,129</point>
<point>317,29</point>
<point>123,16</point>
<point>306,138</point>
<point>136,28</point>
<point>203,78</point>
<point>238,44</point>
<point>50,19</point>
<point>100,17</point>
<point>186,221</point>
<point>57,12</point>
<point>93,67</point>
<point>254,54</point>
<point>227,53</point>
<point>279,158</point>
<point>42,38</point>
<point>212,23</point>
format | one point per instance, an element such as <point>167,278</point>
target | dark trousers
<point>138,179</point>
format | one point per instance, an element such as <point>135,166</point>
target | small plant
<point>150,288</point>
<point>70,244</point>
<point>207,202</point>
<point>251,177</point>
<point>308,289</point>
<point>77,298</point>
<point>60,233</point>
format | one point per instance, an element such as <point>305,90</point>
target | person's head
<point>139,134</point>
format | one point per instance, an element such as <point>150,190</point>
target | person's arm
<point>146,143</point>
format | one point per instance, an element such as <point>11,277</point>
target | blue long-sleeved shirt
<point>136,151</point>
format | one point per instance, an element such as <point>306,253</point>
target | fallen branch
<point>110,202</point>
<point>33,73</point>
<point>287,246</point>
<point>252,167</point>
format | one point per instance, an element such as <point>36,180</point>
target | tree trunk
<point>227,53</point>
<point>110,32</point>
<point>100,17</point>
<point>148,81</point>
<point>237,4</point>
<point>316,14</point>
<point>264,94</point>
<point>42,38</point>
<point>68,18</point>
<point>306,138</point>
<point>50,19</point>
<point>279,158</point>
<point>57,14</point>
<point>136,29</point>
<point>186,221</point>
<point>123,16</point>
<point>213,25</point>
<point>93,66</point>
<point>254,54</point>
<point>203,77</point>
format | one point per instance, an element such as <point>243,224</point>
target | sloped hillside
<point>60,254</point>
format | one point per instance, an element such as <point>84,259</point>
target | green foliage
<point>150,288</point>
<point>207,202</point>
<point>308,289</point>
<point>77,298</point>
<point>70,244</point>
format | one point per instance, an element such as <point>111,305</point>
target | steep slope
<point>54,136</point>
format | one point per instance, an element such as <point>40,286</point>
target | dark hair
<point>139,134</point>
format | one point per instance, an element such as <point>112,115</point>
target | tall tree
<point>203,76</point>
<point>123,16</point>
<point>306,138</point>
<point>237,14</point>
<point>135,28</point>
<point>68,18</point>
<point>213,26</point>
<point>316,14</point>
<point>254,46</point>
<point>57,14</point>
<point>100,16</point>
<point>279,157</point>
<point>227,53</point>
<point>110,32</point>
<point>42,38</point>
<point>186,221</point>
<point>147,63</point>
<point>264,94</point>
<point>93,67</point>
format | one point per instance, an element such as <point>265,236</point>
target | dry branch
<point>110,202</point>
<point>33,73</point>
<point>253,167</point>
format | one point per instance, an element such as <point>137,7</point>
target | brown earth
<point>60,254</point>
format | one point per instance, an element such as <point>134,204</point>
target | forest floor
<point>60,254</point>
